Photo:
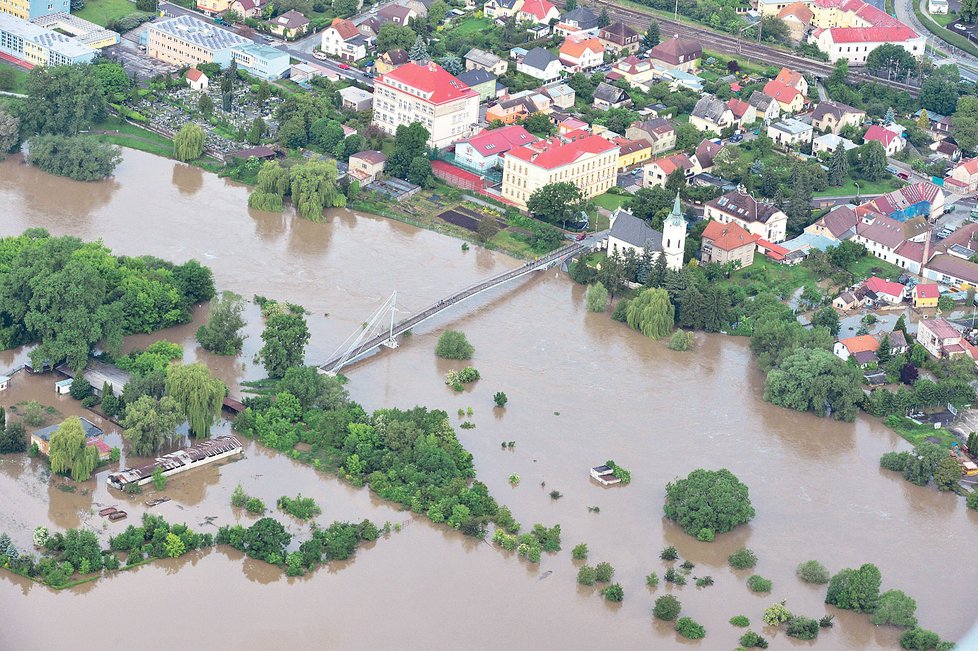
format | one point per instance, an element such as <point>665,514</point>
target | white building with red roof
<point>966,174</point>
<point>580,54</point>
<point>590,162</point>
<point>485,150</point>
<point>540,12</point>
<point>428,94</point>
<point>196,79</point>
<point>342,39</point>
<point>885,290</point>
<point>851,29</point>
<point>892,143</point>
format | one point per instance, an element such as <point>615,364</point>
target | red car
<point>580,236</point>
<point>904,176</point>
<point>344,66</point>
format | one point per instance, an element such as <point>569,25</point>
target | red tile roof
<point>860,343</point>
<point>631,146</point>
<point>881,286</point>
<point>969,166</point>
<point>194,74</point>
<point>738,107</point>
<point>554,153</point>
<point>574,47</point>
<point>881,26</point>
<point>789,78</point>
<point>728,237</point>
<point>435,84</point>
<point>783,93</point>
<point>929,290</point>
<point>670,164</point>
<point>345,28</point>
<point>799,11</point>
<point>499,141</point>
<point>537,8</point>
<point>879,134</point>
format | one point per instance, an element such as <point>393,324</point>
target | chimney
<point>926,257</point>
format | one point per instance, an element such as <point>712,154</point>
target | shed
<point>4,382</point>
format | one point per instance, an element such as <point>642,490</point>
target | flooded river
<point>581,389</point>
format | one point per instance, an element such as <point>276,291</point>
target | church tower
<point>674,237</point>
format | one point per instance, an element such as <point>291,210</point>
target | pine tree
<point>657,275</point>
<point>838,166</point>
<point>652,36</point>
<point>604,19</point>
<point>890,117</point>
<point>923,121</point>
<point>419,52</point>
<point>901,325</point>
<point>884,354</point>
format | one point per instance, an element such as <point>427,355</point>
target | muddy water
<point>582,389</point>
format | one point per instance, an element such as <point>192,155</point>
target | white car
<point>320,55</point>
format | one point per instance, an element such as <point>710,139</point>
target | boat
<point>109,510</point>
<point>117,515</point>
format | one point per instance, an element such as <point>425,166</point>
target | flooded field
<point>581,389</point>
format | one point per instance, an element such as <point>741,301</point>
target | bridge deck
<point>442,305</point>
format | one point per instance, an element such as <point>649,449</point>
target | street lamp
<point>856,183</point>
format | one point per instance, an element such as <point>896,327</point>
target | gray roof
<point>475,77</point>
<point>710,108</point>
<point>629,228</point>
<point>760,100</point>
<point>291,20</point>
<point>91,430</point>
<point>836,109</point>
<point>189,29</point>
<point>608,93</point>
<point>483,58</point>
<point>792,126</point>
<point>583,17</point>
<point>56,41</point>
<point>538,58</point>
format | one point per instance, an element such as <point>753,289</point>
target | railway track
<point>732,45</point>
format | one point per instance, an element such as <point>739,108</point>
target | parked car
<point>904,176</point>
<point>580,236</point>
<point>320,55</point>
<point>891,169</point>
<point>344,66</point>
<point>737,137</point>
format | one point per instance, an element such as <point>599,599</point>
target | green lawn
<point>472,25</point>
<point>19,80</point>
<point>780,278</point>
<point>133,137</point>
<point>917,434</point>
<point>870,265</point>
<point>944,19</point>
<point>865,188</point>
<point>945,35</point>
<point>101,12</point>
<point>610,201</point>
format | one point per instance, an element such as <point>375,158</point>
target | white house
<point>629,233</point>
<point>196,79</point>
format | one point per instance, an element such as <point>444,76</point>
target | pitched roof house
<point>484,150</point>
<point>759,217</point>
<point>619,38</point>
<point>705,154</point>
<point>676,52</point>
<point>607,97</point>
<point>581,54</point>
<point>892,143</point>
<point>789,98</point>
<point>711,114</point>
<point>833,117</point>
<point>767,107</point>
<point>540,64</point>
<point>540,12</point>
<point>660,132</point>
<point>727,243</point>
<point>794,79</point>
<point>657,172</point>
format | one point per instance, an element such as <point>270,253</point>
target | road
<point>967,64</point>
<point>301,49</point>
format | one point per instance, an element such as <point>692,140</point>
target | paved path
<point>905,14</point>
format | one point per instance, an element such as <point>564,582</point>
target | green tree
<point>706,499</point>
<point>839,166</point>
<point>689,628</point>
<point>77,157</point>
<point>964,124</point>
<point>13,438</point>
<point>813,379</point>
<point>273,184</point>
<point>313,389</point>
<point>651,313</point>
<point>285,337</point>
<point>159,479</point>
<point>919,639</point>
<point>742,559</point>
<point>314,188</point>
<point>453,344</point>
<point>174,546</point>
<point>419,172</point>
<point>667,608</point>
<point>857,590</point>
<point>198,394</point>
<point>895,608</point>
<point>947,474</point>
<point>500,399</point>
<point>597,298</point>
<point>410,141</point>
<point>419,51</point>
<point>63,99</point>
<point>776,614</point>
<point>205,105</point>
<point>827,318</point>
<point>892,58</point>
<point>939,90</point>
<point>614,592</point>
<point>394,37</point>
<point>188,144</point>
<point>149,423</point>
<point>68,450</point>
<point>813,572</point>
<point>556,202</point>
<point>603,18</point>
<point>221,334</point>
<point>9,132</point>
<point>651,37</point>
<point>872,161</point>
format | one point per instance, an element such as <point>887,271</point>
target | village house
<point>886,291</point>
<point>562,95</point>
<point>797,17</point>
<point>789,132</point>
<point>481,81</point>
<point>711,114</point>
<point>93,438</point>
<point>476,59</point>
<point>397,14</point>
<point>925,295</point>
<point>516,107</point>
<point>705,153</point>
<point>342,39</point>
<point>833,117</point>
<point>367,166</point>
<point>767,107</point>
<point>196,79</point>
<point>789,98</point>
<point>290,25</point>
<point>892,143</point>
<point>966,174</point>
<point>941,338</point>
<point>758,217</point>
<point>540,64</point>
<point>501,8</point>
<point>356,99</point>
<point>427,94</point>
<point>608,97</point>
<point>632,152</point>
<point>390,60</point>
<point>581,54</point>
<point>634,70</point>
<point>659,132</point>
<point>656,173</point>
<point>484,151</point>
<point>862,348</point>
<point>730,242</point>
<point>581,20</point>
<point>681,53</point>
<point>951,270</point>
<point>830,142</point>
<point>247,8</point>
<point>618,38</point>
<point>852,299</point>
<point>629,233</point>
<point>743,113</point>
<point>590,162</point>
<point>838,224</point>
<point>890,240</point>
<point>540,12</point>
<point>794,79</point>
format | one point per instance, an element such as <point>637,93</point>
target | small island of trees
<point>708,502</point>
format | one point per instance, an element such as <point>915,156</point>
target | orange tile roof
<point>783,93</point>
<point>789,78</point>
<point>435,84</point>
<point>728,236</point>
<point>345,28</point>
<point>575,47</point>
<point>860,344</point>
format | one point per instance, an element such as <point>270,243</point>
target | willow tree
<point>273,183</point>
<point>67,450</point>
<point>314,188</point>
<point>651,313</point>
<point>188,144</point>
<point>199,395</point>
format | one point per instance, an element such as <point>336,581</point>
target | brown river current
<point>581,389</point>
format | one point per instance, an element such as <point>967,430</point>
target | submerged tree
<point>149,423</point>
<point>188,144</point>
<point>199,395</point>
<point>222,333</point>
<point>652,313</point>
<point>314,188</point>
<point>285,336</point>
<point>67,450</point>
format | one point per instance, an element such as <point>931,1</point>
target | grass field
<point>101,12</point>
<point>917,434</point>
<point>471,25</point>
<point>865,188</point>
<point>945,35</point>
<point>19,78</point>
<point>610,201</point>
<point>871,265</point>
<point>133,137</point>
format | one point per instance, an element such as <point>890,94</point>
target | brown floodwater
<point>581,389</point>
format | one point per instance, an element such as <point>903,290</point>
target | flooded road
<point>582,389</point>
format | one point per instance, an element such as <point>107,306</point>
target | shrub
<point>704,581</point>
<point>813,572</point>
<point>972,500</point>
<point>597,298</point>
<point>758,583</point>
<point>299,506</point>
<point>751,640</point>
<point>255,505</point>
<point>740,621</point>
<point>714,500</point>
<point>614,592</point>
<point>586,575</point>
<point>857,590</point>
<point>500,399</point>
<point>80,388</point>
<point>826,621</point>
<point>681,341</point>
<point>742,559</point>
<point>803,628</point>
<point>895,461</point>
<point>667,608</point>
<point>238,497</point>
<point>555,495</point>
<point>688,628</point>
<point>159,480</point>
<point>919,639</point>
<point>514,479</point>
<point>687,565</point>
<point>652,580</point>
<point>604,572</point>
<point>620,313</point>
<point>706,535</point>
<point>453,344</point>
<point>579,553</point>
<point>776,614</point>
<point>669,554</point>
<point>895,608</point>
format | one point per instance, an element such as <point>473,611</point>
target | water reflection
<point>187,179</point>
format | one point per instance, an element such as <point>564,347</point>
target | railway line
<point>735,46</point>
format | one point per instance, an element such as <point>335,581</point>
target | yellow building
<point>187,41</point>
<point>31,9</point>
<point>926,295</point>
<point>38,46</point>
<point>590,162</point>
<point>214,6</point>
<point>83,31</point>
<point>632,152</point>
